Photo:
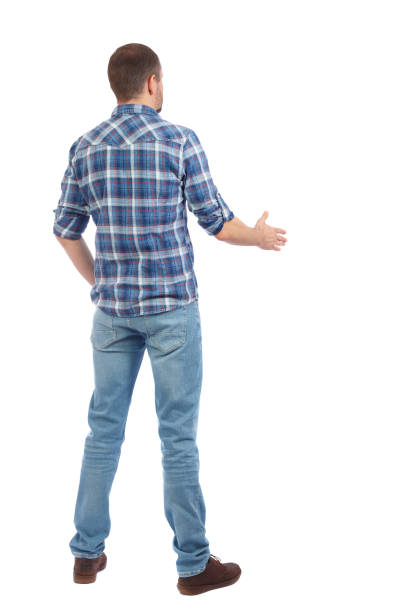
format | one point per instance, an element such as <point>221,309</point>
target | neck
<point>137,101</point>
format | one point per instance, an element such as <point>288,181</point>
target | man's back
<point>135,174</point>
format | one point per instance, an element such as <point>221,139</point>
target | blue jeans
<point>173,340</point>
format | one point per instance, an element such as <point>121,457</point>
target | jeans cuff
<point>87,556</point>
<point>193,572</point>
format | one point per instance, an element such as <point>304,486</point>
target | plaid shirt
<point>136,174</point>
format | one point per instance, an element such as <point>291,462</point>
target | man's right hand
<point>270,238</point>
<point>262,235</point>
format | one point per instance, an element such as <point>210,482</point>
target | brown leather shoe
<point>85,570</point>
<point>214,576</point>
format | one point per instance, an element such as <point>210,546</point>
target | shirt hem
<point>141,312</point>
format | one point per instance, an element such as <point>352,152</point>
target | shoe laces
<point>214,557</point>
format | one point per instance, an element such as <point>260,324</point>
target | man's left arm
<point>71,219</point>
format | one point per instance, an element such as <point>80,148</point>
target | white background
<point>307,431</point>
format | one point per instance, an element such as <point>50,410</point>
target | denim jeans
<point>173,341</point>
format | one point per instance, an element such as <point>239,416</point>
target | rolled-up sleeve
<point>72,213</point>
<point>202,195</point>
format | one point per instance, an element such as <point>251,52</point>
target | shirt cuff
<point>69,224</point>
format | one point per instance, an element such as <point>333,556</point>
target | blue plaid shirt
<point>136,174</point>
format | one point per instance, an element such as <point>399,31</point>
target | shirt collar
<point>133,108</point>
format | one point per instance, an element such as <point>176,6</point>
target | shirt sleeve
<point>72,214</point>
<point>203,198</point>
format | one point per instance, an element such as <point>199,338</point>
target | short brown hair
<point>129,68</point>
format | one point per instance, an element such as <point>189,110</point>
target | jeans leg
<point>175,350</point>
<point>116,366</point>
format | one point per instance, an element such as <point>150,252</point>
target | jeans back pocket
<point>167,330</point>
<point>103,332</point>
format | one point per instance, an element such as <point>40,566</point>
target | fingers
<point>279,243</point>
<point>272,246</point>
<point>278,230</point>
<point>278,236</point>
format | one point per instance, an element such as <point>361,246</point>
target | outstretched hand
<point>270,238</point>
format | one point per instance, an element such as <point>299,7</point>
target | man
<point>135,174</point>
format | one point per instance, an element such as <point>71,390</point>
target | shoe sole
<point>88,578</point>
<point>196,590</point>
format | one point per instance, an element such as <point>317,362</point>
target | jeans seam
<point>191,572</point>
